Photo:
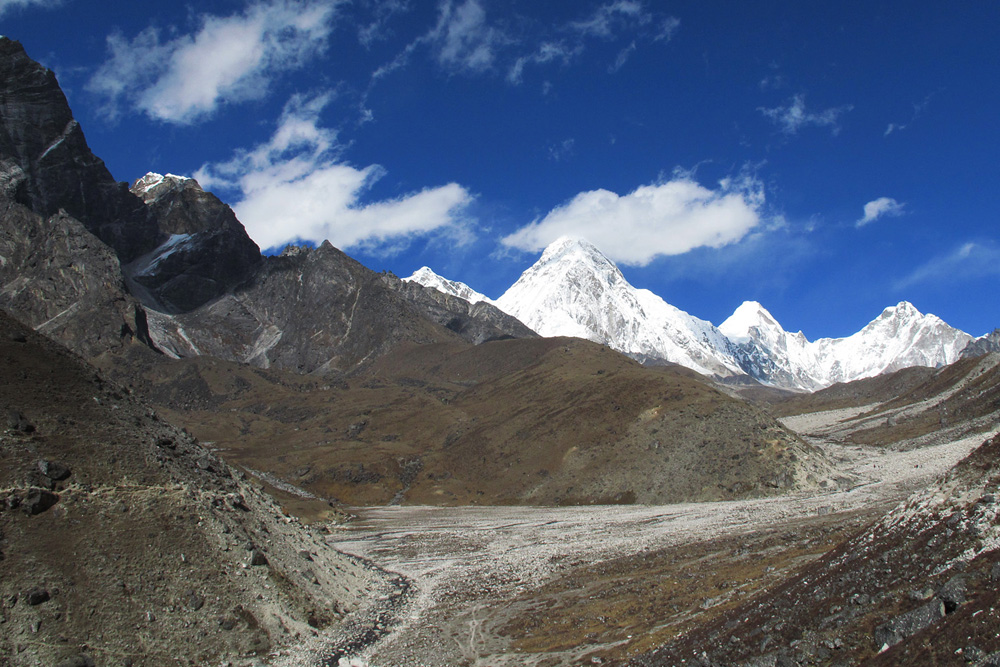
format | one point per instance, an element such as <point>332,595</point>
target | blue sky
<point>825,159</point>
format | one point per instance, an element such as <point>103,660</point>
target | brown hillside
<point>538,421</point>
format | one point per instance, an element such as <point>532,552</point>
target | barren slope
<point>529,421</point>
<point>124,541</point>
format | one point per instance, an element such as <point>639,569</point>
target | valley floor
<point>558,586</point>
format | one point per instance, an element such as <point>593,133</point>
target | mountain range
<point>310,379</point>
<point>574,290</point>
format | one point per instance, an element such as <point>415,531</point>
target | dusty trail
<point>468,563</point>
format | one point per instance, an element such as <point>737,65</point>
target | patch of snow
<point>70,126</point>
<point>426,277</point>
<point>148,263</point>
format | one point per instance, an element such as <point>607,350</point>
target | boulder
<point>896,630</point>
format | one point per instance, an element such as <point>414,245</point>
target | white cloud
<point>229,59</point>
<point>382,11</point>
<point>545,53</point>
<point>7,5</point>
<point>664,218</point>
<point>604,19</point>
<point>466,39</point>
<point>294,187</point>
<point>794,116</point>
<point>969,261</point>
<point>609,22</point>
<point>881,207</point>
<point>462,38</point>
<point>562,150</point>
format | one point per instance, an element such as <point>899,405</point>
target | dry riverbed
<point>562,586</point>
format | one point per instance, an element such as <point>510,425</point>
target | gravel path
<point>467,564</point>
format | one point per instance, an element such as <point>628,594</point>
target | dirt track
<point>467,565</point>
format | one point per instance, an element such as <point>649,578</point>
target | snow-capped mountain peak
<point>899,337</point>
<point>746,317</point>
<point>574,290</point>
<point>426,277</point>
<point>153,185</point>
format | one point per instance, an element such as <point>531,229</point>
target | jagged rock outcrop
<point>306,310</point>
<point>476,322</point>
<point>88,260</point>
<point>182,246</point>
<point>206,252</point>
<point>983,345</point>
<point>46,164</point>
<point>60,279</point>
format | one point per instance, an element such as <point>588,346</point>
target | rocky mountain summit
<point>205,252</point>
<point>983,345</point>
<point>168,265</point>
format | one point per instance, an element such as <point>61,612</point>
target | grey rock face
<point>910,623</point>
<point>46,165</point>
<point>60,279</point>
<point>206,251</point>
<point>476,323</point>
<point>952,594</point>
<point>983,345</point>
<point>307,310</point>
<point>38,501</point>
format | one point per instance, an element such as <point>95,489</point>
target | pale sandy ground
<point>467,564</point>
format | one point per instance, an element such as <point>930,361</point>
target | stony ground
<point>563,586</point>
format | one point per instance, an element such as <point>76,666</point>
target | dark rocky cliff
<point>89,260</point>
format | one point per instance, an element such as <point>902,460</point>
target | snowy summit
<point>575,290</point>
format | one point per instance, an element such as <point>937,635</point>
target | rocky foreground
<point>124,541</point>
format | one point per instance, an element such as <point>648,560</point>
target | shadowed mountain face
<point>47,166</point>
<point>91,261</point>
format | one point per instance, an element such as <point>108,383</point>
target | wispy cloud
<point>382,12</point>
<point>467,39</point>
<point>793,116</point>
<point>918,110</point>
<point>968,261</point>
<point>9,5</point>
<point>562,150</point>
<point>605,20</point>
<point>879,208</point>
<point>663,218</point>
<point>295,187</point>
<point>463,40</point>
<point>229,59</point>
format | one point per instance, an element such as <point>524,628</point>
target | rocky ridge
<point>84,253</point>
